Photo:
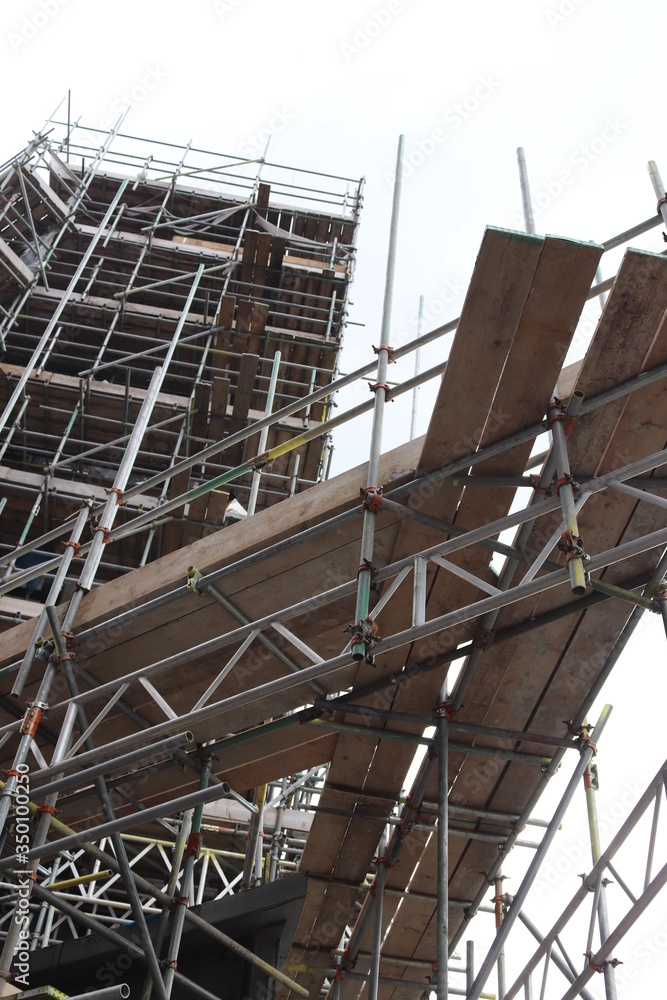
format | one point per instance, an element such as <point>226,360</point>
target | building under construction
<point>267,732</point>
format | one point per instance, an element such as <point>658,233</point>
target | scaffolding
<point>174,328</point>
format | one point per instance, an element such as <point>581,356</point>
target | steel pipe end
<point>188,736</point>
<point>225,788</point>
<point>124,990</point>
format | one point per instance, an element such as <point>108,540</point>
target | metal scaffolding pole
<point>442,938</point>
<point>362,635</point>
<point>187,884</point>
<point>64,299</point>
<point>590,786</point>
<point>254,489</point>
<point>587,752</point>
<point>379,884</point>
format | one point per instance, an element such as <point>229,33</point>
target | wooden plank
<point>635,307</point>
<point>199,419</point>
<point>245,387</point>
<point>217,504</point>
<point>219,398</point>
<point>244,272</point>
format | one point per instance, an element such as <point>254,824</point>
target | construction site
<point>268,732</point>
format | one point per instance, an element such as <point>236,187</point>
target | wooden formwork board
<point>518,320</point>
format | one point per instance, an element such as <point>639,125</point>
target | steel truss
<point>77,763</point>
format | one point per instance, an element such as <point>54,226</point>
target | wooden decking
<point>518,321</point>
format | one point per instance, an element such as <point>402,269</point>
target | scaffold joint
<point>389,349</point>
<point>45,808</point>
<point>371,498</point>
<point>566,480</point>
<point>546,491</point>
<point>555,404</point>
<point>572,546</point>
<point>483,638</point>
<point>119,495</point>
<point>106,531</point>
<point>73,545</point>
<point>366,633</point>
<point>367,566</point>
<point>374,386</point>
<point>194,842</point>
<point>31,720</point>
<point>444,708</point>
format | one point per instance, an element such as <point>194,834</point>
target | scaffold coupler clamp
<point>566,480</point>
<point>546,491</point>
<point>583,737</point>
<point>374,386</point>
<point>365,632</point>
<point>371,498</point>
<point>32,717</point>
<point>367,566</point>
<point>613,962</point>
<point>573,547</point>
<point>660,598</point>
<point>193,579</point>
<point>445,708</point>
<point>390,352</point>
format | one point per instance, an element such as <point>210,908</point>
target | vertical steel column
<point>170,889</point>
<point>187,885</point>
<point>442,944</point>
<point>470,965</point>
<point>528,218</point>
<point>659,189</point>
<point>361,645</point>
<point>591,785</point>
<point>41,834</point>
<point>571,543</point>
<point>499,900</point>
<point>587,751</point>
<point>255,834</point>
<point>277,831</point>
<point>256,476</point>
<point>379,884</point>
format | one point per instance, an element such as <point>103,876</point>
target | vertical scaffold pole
<point>361,645</point>
<point>379,884</point>
<point>591,785</point>
<point>442,942</point>
<point>528,218</point>
<point>187,885</point>
<point>571,543</point>
<point>659,188</point>
<point>587,751</point>
<point>499,901</point>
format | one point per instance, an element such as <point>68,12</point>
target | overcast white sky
<point>578,83</point>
